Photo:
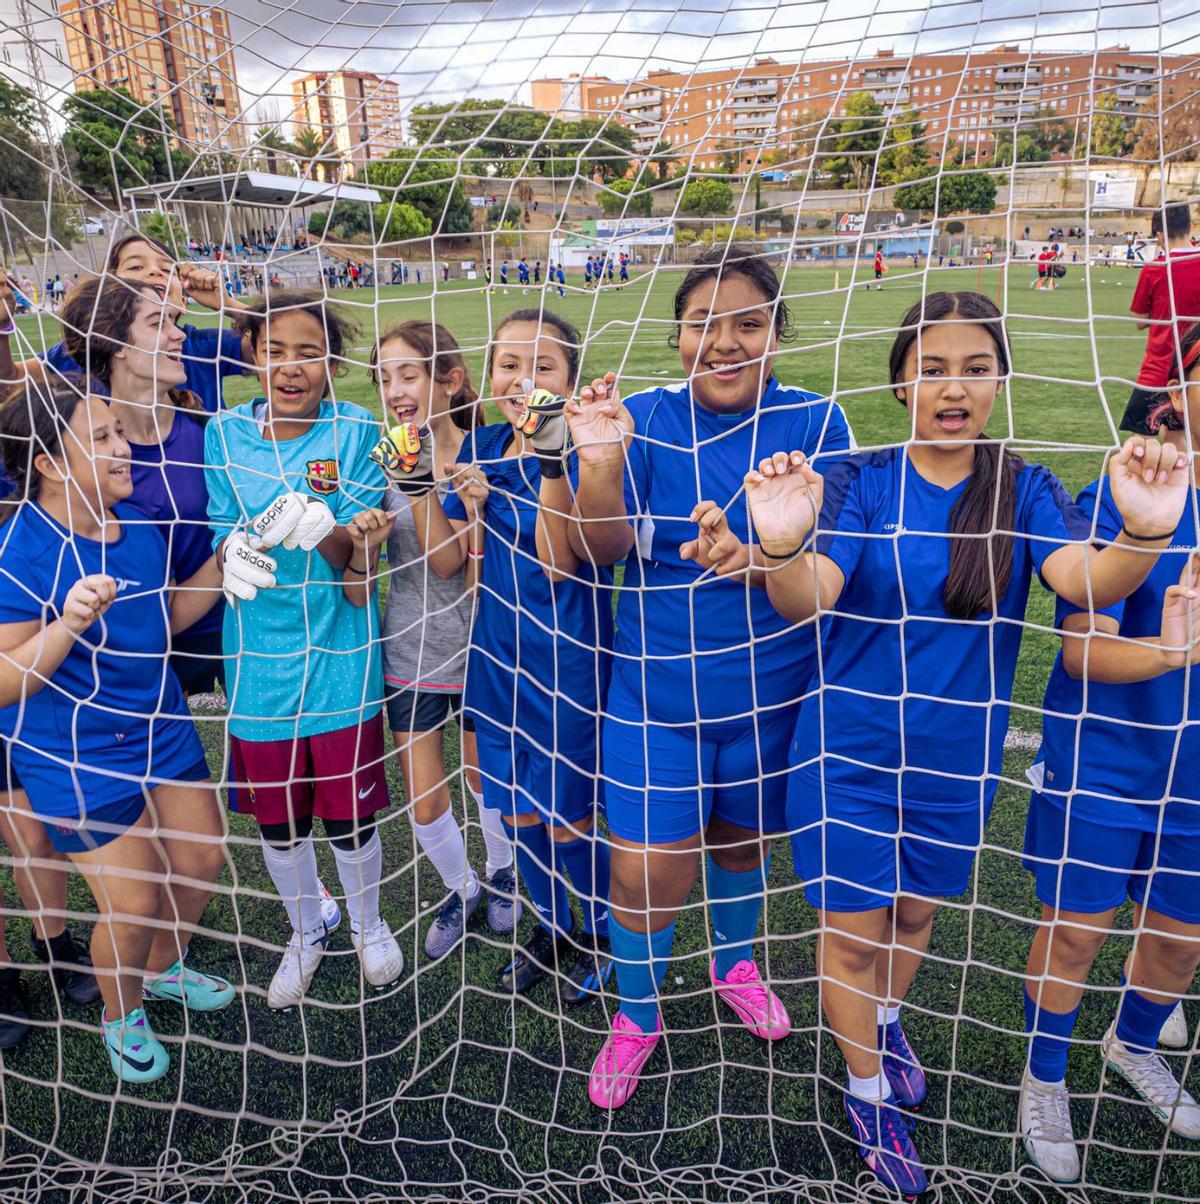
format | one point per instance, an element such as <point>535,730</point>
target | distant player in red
<point>1166,300</point>
<point>1044,268</point>
<point>879,268</point>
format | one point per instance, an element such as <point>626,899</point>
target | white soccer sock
<point>360,870</point>
<point>294,872</point>
<point>499,844</point>
<point>874,1090</point>
<point>886,1015</point>
<point>442,842</point>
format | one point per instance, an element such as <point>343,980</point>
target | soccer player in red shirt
<point>1166,301</point>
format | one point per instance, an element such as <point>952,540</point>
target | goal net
<point>456,164</point>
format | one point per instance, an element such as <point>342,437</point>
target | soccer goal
<point>441,220</point>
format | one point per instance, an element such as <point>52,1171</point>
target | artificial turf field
<point>441,1088</point>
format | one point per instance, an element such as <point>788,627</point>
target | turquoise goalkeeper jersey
<point>303,659</point>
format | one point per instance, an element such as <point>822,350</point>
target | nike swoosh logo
<point>602,915</point>
<point>363,793</point>
<point>137,1063</point>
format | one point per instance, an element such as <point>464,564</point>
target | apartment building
<point>167,52</point>
<point>356,113</point>
<point>969,100</point>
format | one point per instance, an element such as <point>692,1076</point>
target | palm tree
<point>310,146</point>
<point>270,145</point>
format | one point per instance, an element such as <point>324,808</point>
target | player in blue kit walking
<point>97,727</point>
<point>1116,814</point>
<point>294,506</point>
<point>538,664</point>
<point>898,758</point>
<point>706,675</point>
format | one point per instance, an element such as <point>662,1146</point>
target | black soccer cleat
<point>70,967</point>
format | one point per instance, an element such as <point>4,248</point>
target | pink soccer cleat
<point>619,1063</point>
<point>756,1005</point>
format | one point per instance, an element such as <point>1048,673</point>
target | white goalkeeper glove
<point>294,520</point>
<point>244,569</point>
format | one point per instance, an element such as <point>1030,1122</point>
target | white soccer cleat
<point>1046,1128</point>
<point>1151,1078</point>
<point>1175,1033</point>
<point>295,973</point>
<point>379,952</point>
<point>331,913</point>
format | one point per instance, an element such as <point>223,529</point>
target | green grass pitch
<point>441,1087</point>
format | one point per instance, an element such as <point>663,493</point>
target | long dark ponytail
<point>33,417</point>
<point>981,554</point>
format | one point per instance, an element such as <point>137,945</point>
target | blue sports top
<point>169,487</point>
<point>534,641</point>
<point>113,715</point>
<point>905,683</point>
<point>688,649</point>
<point>1117,752</point>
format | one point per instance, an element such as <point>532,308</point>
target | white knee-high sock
<point>360,870</point>
<point>499,844</point>
<point>294,872</point>
<point>442,842</point>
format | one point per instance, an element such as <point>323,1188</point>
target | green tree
<point>583,148</point>
<point>504,215</point>
<point>904,148</point>
<point>505,136</point>
<point>663,157</point>
<point>951,192</point>
<point>22,165</point>
<point>1025,148</point>
<point>273,150</point>
<point>114,142</point>
<point>342,220</point>
<point>167,229</point>
<point>703,198</point>
<point>1160,144</point>
<point>18,105</point>
<point>405,222</point>
<point>852,146</point>
<point>1109,136</point>
<point>317,161</point>
<point>426,180</point>
<point>627,198</point>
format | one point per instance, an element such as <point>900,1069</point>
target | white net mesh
<point>456,163</point>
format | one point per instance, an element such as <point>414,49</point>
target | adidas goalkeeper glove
<point>244,569</point>
<point>293,520</point>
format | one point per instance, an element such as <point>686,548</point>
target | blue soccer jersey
<point>209,355</point>
<point>686,649</point>
<point>169,487</point>
<point>538,661</point>
<point>915,701</point>
<point>1117,752</point>
<point>112,718</point>
<point>303,658</point>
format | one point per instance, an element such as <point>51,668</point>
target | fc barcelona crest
<point>323,476</point>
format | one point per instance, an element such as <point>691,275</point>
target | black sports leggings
<point>345,834</point>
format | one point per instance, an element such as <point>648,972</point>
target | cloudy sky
<point>442,51</point>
